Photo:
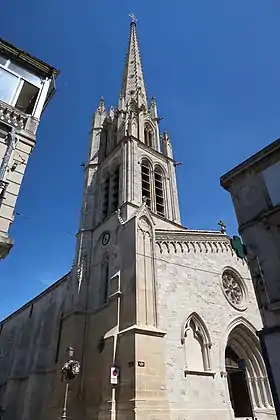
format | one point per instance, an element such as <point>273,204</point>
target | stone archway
<point>246,374</point>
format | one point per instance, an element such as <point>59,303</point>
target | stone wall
<point>28,353</point>
<point>189,277</point>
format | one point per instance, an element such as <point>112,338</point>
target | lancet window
<point>159,191</point>
<point>104,280</point>
<point>148,135</point>
<point>105,197</point>
<point>115,189</point>
<point>197,344</point>
<point>146,181</point>
<point>153,187</point>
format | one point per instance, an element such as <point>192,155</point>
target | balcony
<point>12,116</point>
<point>6,244</point>
<point>3,187</point>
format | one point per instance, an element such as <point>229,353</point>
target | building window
<point>146,181</point>
<point>104,280</point>
<point>18,87</point>
<point>234,289</point>
<point>197,344</point>
<point>148,135</point>
<point>105,198</point>
<point>271,178</point>
<point>115,189</point>
<point>159,193</point>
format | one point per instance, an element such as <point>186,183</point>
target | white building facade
<point>26,86</point>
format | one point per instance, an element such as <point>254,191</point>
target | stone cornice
<point>192,240</point>
<point>152,151</point>
<point>36,298</point>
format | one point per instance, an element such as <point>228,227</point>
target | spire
<point>133,81</point>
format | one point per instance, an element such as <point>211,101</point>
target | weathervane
<point>132,17</point>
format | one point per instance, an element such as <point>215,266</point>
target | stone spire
<point>133,86</point>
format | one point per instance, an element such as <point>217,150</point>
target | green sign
<point>238,247</point>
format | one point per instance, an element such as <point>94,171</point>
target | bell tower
<point>128,158</point>
<point>129,192</point>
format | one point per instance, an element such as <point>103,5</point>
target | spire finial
<point>132,17</point>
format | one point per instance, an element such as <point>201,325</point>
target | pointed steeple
<point>133,80</point>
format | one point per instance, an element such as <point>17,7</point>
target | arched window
<point>246,374</point>
<point>159,191</point>
<point>104,280</point>
<point>197,344</point>
<point>148,135</point>
<point>146,181</point>
<point>105,197</point>
<point>115,189</point>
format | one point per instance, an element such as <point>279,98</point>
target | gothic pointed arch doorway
<point>238,385</point>
<point>247,380</point>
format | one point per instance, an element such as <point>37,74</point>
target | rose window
<point>232,288</point>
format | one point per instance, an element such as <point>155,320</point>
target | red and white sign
<point>115,373</point>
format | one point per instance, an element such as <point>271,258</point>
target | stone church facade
<point>173,309</point>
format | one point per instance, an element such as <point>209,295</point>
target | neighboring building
<point>174,309</point>
<point>254,186</point>
<point>26,86</point>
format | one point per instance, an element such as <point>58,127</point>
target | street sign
<point>115,373</point>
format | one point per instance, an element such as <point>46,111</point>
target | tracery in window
<point>234,289</point>
<point>146,181</point>
<point>197,344</point>
<point>159,191</point>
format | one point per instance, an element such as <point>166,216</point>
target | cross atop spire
<point>132,17</point>
<point>133,86</point>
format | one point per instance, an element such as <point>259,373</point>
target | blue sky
<point>214,68</point>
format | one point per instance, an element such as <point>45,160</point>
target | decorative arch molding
<point>241,336</point>
<point>147,159</point>
<point>115,164</point>
<point>162,168</point>
<point>197,343</point>
<point>201,328</point>
<point>105,173</point>
<point>145,225</point>
<point>240,320</point>
<point>149,133</point>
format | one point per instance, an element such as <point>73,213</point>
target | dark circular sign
<point>106,238</point>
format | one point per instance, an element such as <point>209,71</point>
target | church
<point>163,319</point>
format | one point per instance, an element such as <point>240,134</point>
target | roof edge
<point>227,178</point>
<point>33,300</point>
<point>41,66</point>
